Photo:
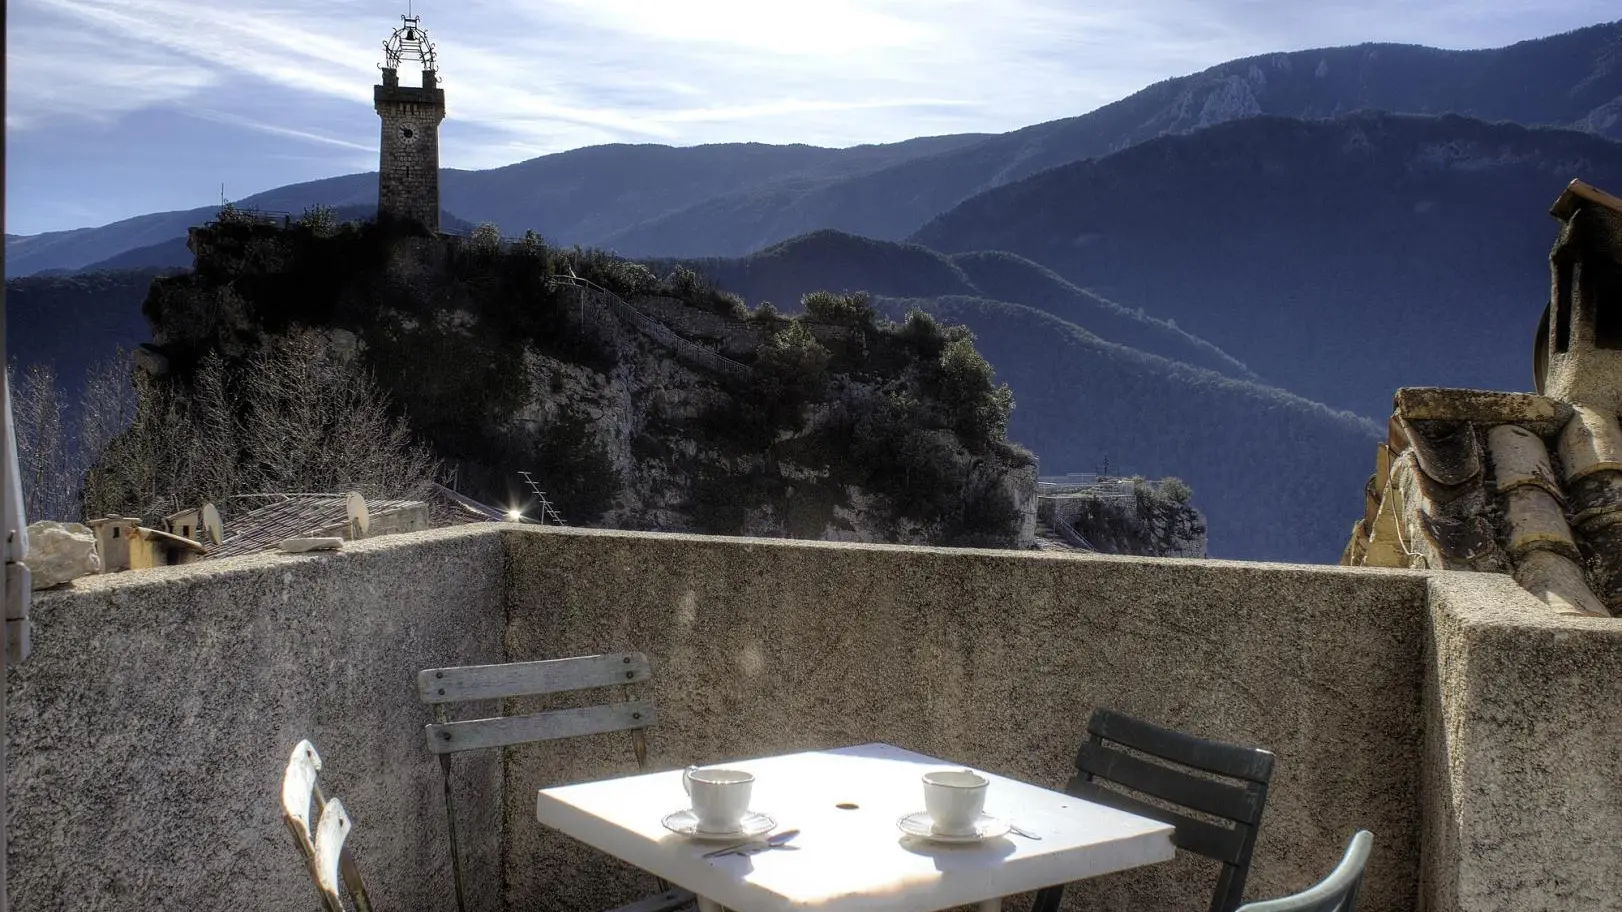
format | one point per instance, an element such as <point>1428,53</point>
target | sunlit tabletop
<point>850,854</point>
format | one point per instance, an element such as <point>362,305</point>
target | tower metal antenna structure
<point>547,513</point>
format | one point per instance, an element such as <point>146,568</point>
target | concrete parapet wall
<point>1524,728</point>
<point>148,730</point>
<point>992,659</point>
<point>1474,733</point>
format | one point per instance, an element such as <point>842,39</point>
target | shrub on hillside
<point>576,468</point>
<point>766,314</point>
<point>923,333</point>
<point>790,370</point>
<point>321,220</point>
<point>979,410</point>
<point>854,310</point>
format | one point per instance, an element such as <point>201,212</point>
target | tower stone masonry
<point>408,170</point>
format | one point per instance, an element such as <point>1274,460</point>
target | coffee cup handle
<point>686,778</point>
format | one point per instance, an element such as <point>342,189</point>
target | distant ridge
<point>731,199</point>
<point>835,261</point>
<point>1339,258</point>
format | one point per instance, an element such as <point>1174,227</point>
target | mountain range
<point>732,199</point>
<point>1223,276</point>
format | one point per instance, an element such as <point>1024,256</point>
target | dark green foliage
<point>790,371</point>
<point>697,290</point>
<point>985,517</point>
<point>1158,520</point>
<point>445,324</point>
<point>850,310</point>
<point>575,470</point>
<point>907,455</point>
<point>321,220</point>
<point>476,381</point>
<point>767,315</point>
<point>923,333</point>
<point>1175,490</point>
<point>485,240</point>
<point>719,501</point>
<point>978,409</point>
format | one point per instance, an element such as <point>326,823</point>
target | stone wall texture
<point>408,176</point>
<point>1473,733</point>
<point>995,660</point>
<point>1524,724</point>
<point>148,731</point>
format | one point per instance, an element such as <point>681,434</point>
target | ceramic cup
<point>720,797</point>
<point>954,799</point>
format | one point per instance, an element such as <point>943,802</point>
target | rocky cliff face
<point>637,402</point>
<point>1129,516</point>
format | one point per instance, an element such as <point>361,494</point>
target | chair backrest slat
<point>330,864</point>
<point>1105,756</point>
<point>522,679</point>
<point>1223,799</point>
<point>1198,836</point>
<point>298,784</point>
<point>330,834</point>
<point>1232,760</point>
<point>1335,893</point>
<point>475,734</point>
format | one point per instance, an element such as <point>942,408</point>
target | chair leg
<point>450,820</point>
<point>1048,899</point>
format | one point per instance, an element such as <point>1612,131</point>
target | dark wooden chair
<point>1335,893</point>
<point>1160,763</point>
<point>441,687</point>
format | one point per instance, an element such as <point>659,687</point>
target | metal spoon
<point>760,845</point>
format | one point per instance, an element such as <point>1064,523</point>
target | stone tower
<point>408,174</point>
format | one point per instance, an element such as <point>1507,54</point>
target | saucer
<point>685,822</point>
<point>919,824</point>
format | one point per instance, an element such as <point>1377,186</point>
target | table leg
<point>990,905</point>
<point>709,905</point>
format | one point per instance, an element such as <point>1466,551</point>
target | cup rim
<point>943,778</point>
<point>721,776</point>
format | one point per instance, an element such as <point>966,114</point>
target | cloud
<point>55,72</point>
<point>526,77</point>
<point>236,120</point>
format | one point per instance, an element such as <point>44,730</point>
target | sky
<point>116,108</point>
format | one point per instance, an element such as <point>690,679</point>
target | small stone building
<point>156,548</point>
<point>113,535</point>
<point>1528,484</point>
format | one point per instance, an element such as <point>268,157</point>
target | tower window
<point>1562,306</point>
<point>406,132</point>
<point>1603,289</point>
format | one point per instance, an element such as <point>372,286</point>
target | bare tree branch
<point>298,416</point>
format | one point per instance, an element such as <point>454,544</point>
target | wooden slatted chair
<point>441,687</point>
<point>329,861</point>
<point>1335,893</point>
<point>1117,751</point>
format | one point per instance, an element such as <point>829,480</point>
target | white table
<point>852,859</point>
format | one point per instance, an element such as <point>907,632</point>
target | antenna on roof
<point>547,513</point>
